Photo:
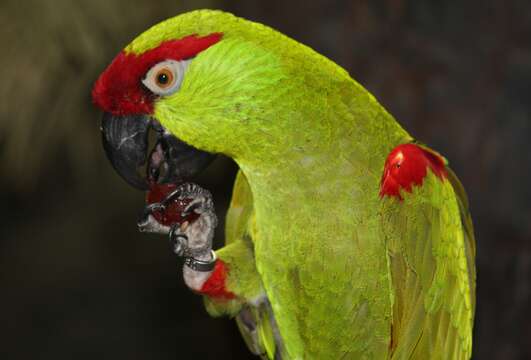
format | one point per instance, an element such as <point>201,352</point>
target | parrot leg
<point>200,259</point>
<point>191,239</point>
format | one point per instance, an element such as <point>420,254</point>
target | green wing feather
<point>470,241</point>
<point>255,321</point>
<point>431,258</point>
<point>240,212</point>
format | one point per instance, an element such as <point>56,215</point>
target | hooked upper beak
<point>125,140</point>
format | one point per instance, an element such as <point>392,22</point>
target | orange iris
<point>164,78</point>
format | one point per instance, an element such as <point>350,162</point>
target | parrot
<point>345,237</point>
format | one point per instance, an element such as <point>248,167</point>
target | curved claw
<point>186,190</point>
<point>200,204</point>
<point>174,195</point>
<point>144,221</point>
<point>193,205</point>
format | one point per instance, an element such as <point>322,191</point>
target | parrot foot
<point>148,223</point>
<point>183,204</point>
<point>189,221</point>
<point>190,239</point>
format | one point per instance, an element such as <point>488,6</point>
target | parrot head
<point>207,82</point>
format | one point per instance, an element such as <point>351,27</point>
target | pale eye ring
<point>166,77</point>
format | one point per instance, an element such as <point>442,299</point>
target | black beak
<point>125,140</point>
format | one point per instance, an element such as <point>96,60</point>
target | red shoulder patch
<point>406,166</point>
<point>215,285</point>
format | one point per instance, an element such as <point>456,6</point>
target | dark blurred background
<point>76,278</point>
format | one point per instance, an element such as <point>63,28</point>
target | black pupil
<point>163,78</point>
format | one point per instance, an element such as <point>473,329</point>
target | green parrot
<point>345,238</point>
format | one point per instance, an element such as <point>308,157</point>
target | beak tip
<point>125,143</point>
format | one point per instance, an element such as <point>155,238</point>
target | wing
<point>431,253</point>
<point>470,240</point>
<point>255,321</point>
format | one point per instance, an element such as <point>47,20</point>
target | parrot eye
<point>166,77</point>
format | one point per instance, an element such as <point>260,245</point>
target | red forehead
<point>119,89</point>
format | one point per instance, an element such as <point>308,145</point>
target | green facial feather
<point>345,273</point>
